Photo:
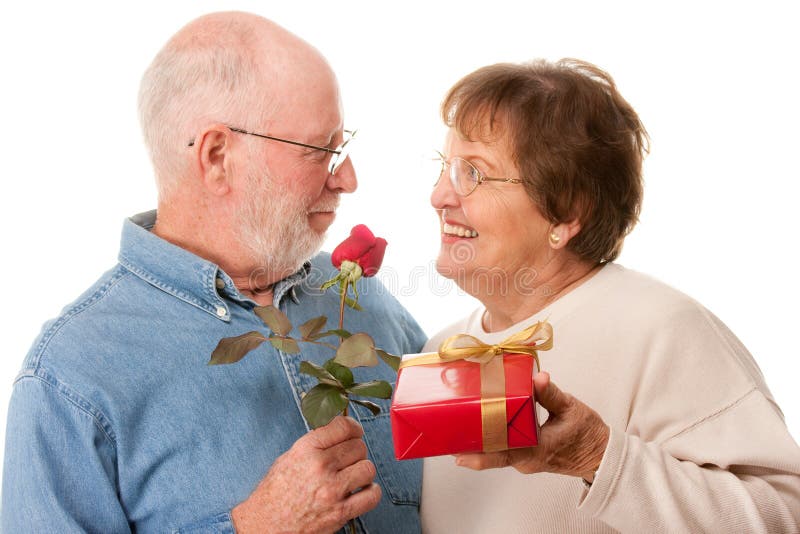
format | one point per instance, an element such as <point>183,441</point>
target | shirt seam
<point>66,317</point>
<point>222,521</point>
<point>153,280</point>
<point>703,420</point>
<point>623,455</point>
<point>75,399</point>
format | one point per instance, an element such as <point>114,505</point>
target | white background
<point>714,83</point>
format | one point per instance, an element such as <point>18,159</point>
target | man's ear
<point>215,156</point>
<point>561,233</point>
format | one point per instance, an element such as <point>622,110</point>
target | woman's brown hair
<point>577,144</point>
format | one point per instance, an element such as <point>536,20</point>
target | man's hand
<point>571,442</point>
<point>309,488</point>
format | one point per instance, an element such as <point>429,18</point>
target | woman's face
<point>494,238</point>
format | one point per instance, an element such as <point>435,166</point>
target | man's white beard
<point>277,232</point>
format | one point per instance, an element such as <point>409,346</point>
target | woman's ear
<point>561,233</point>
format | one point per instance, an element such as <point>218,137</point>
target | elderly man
<point>116,423</point>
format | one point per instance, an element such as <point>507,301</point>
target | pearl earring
<point>554,238</point>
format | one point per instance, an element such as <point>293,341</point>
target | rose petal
<point>372,260</point>
<point>362,232</point>
<point>355,246</point>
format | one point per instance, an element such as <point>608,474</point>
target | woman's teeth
<point>460,231</point>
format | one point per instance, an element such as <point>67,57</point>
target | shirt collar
<point>184,275</point>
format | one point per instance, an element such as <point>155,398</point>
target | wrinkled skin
<point>571,442</point>
<point>322,469</point>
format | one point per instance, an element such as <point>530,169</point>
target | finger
<point>483,460</point>
<point>346,453</point>
<point>541,380</point>
<point>361,502</point>
<point>358,475</point>
<point>548,394</point>
<point>338,430</point>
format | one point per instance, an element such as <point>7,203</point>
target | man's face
<point>291,198</point>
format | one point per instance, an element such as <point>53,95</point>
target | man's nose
<point>344,181</point>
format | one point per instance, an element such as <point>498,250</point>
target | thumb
<point>548,395</point>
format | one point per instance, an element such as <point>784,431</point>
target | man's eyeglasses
<point>464,176</point>
<point>339,154</point>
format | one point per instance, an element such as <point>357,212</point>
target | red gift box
<point>439,408</point>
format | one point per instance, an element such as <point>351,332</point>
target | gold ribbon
<point>493,382</point>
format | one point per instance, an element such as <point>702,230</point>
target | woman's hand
<point>571,442</point>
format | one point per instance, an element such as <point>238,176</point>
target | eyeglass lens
<point>463,176</point>
<point>342,152</point>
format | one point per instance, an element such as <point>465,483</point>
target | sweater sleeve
<point>752,486</point>
<point>705,448</point>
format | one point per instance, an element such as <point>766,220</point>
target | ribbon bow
<point>536,337</point>
<point>462,346</point>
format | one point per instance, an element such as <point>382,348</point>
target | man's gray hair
<point>205,77</point>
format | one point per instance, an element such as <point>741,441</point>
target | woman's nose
<point>443,194</point>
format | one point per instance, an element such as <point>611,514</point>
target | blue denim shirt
<point>117,424</point>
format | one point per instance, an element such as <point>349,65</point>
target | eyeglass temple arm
<point>508,180</point>
<point>297,143</point>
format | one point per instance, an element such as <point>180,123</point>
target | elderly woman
<point>661,420</point>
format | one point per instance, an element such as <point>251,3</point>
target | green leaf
<point>380,389</point>
<point>357,350</point>
<point>335,332</point>
<point>353,304</point>
<point>311,327</point>
<point>233,349</point>
<point>342,373</point>
<point>309,368</point>
<point>329,283</point>
<point>275,319</point>
<point>322,403</point>
<point>374,408</point>
<point>285,344</point>
<point>390,359</point>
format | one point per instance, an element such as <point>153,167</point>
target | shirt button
<point>221,312</point>
<point>220,283</point>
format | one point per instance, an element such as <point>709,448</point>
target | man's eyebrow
<point>323,140</point>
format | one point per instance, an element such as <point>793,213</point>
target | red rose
<point>363,248</point>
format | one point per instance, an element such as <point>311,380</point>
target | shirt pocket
<point>400,480</point>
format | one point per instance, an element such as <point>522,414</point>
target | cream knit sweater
<point>697,442</point>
